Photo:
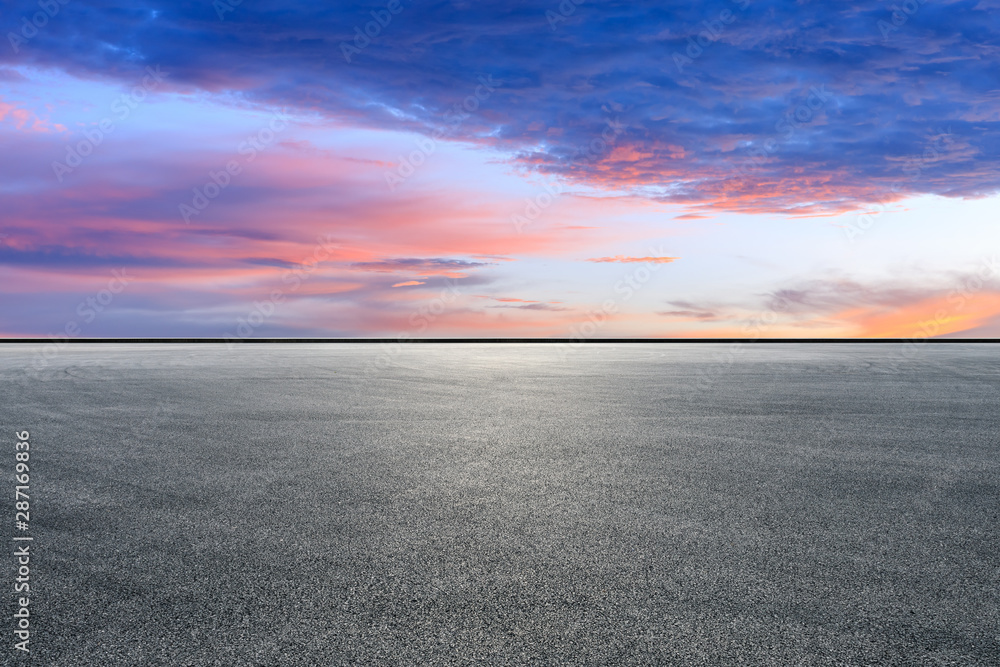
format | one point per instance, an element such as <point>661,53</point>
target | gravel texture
<point>454,504</point>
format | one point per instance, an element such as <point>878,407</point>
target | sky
<point>413,168</point>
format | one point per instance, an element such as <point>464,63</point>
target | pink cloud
<point>26,120</point>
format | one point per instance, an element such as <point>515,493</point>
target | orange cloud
<point>936,316</point>
<point>629,260</point>
<point>409,283</point>
<point>844,308</point>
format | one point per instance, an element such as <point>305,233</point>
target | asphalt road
<point>508,504</point>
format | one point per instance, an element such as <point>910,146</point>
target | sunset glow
<point>804,172</point>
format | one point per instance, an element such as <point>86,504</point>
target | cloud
<point>799,108</point>
<point>926,304</point>
<point>523,304</point>
<point>262,233</point>
<point>26,120</point>
<point>268,261</point>
<point>943,304</point>
<point>60,257</point>
<point>433,266</point>
<point>449,268</point>
<point>533,306</point>
<point>689,314</point>
<point>506,299</point>
<point>7,74</point>
<point>629,260</point>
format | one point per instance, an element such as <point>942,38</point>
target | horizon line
<point>61,340</point>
